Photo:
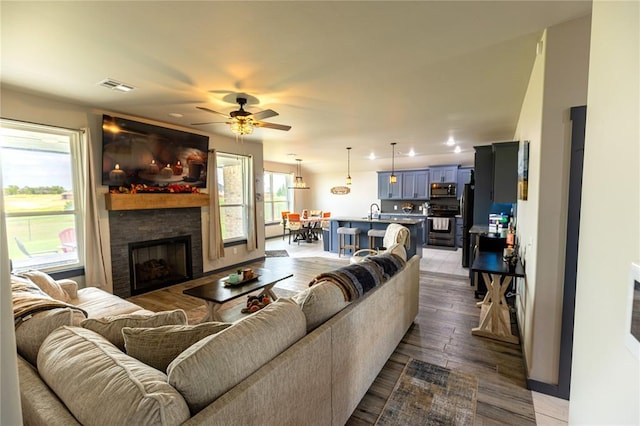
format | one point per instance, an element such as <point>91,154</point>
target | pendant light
<point>298,182</point>
<point>392,178</point>
<point>348,165</point>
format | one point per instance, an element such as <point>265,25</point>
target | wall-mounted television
<point>141,153</point>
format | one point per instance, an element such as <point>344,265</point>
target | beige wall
<point>558,82</point>
<point>605,385</point>
<point>26,107</point>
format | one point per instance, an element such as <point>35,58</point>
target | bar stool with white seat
<point>373,234</point>
<point>354,234</point>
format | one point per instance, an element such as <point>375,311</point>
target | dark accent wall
<point>130,226</point>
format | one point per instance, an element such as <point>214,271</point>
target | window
<point>277,196</point>
<point>42,193</point>
<point>233,191</point>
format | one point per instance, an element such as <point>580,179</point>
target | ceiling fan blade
<point>271,125</point>
<point>210,122</point>
<point>267,113</point>
<point>212,111</point>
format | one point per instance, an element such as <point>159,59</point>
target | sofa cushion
<point>159,346</point>
<point>215,364</point>
<point>99,303</point>
<point>47,284</point>
<point>31,332</point>
<point>320,302</point>
<point>100,385</point>
<point>111,326</point>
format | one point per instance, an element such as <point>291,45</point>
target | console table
<point>495,320</point>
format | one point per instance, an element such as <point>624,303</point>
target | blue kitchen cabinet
<point>440,174</point>
<point>464,176</point>
<point>387,190</point>
<point>459,231</point>
<point>415,185</point>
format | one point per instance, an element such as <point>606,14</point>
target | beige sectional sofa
<point>306,360</point>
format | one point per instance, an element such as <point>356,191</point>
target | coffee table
<point>216,293</point>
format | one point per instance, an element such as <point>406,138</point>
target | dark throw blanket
<point>354,280</point>
<point>389,262</point>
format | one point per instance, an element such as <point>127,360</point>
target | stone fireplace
<point>150,228</point>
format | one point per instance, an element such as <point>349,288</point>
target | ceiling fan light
<point>242,127</point>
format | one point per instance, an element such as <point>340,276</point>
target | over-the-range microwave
<point>443,190</point>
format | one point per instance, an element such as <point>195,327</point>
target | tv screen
<point>140,153</point>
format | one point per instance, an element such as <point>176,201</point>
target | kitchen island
<point>415,227</point>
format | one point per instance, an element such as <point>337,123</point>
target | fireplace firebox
<point>159,263</point>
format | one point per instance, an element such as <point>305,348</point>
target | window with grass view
<point>277,196</point>
<point>41,193</point>
<point>233,192</point>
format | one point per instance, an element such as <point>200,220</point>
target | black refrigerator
<point>466,210</point>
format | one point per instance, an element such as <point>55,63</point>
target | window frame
<point>245,204</point>
<point>268,175</point>
<point>76,161</point>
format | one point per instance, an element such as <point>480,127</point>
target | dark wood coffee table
<point>216,292</point>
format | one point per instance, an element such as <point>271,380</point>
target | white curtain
<point>95,270</point>
<point>216,244</point>
<point>252,243</point>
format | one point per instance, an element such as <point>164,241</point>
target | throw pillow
<point>111,327</point>
<point>100,385</point>
<point>47,284</point>
<point>157,347</point>
<point>210,367</point>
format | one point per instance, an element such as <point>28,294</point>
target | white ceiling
<point>359,74</point>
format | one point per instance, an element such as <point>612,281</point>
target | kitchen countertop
<point>404,214</point>
<point>366,220</point>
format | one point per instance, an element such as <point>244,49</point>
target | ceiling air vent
<point>115,85</point>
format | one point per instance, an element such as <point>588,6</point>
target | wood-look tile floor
<point>441,334</point>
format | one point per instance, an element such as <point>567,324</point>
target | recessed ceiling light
<point>450,141</point>
<point>176,114</point>
<point>372,156</point>
<point>412,153</point>
<point>457,150</point>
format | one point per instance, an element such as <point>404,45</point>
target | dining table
<point>310,225</point>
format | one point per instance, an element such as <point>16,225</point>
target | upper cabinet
<point>415,185</point>
<point>496,178</point>
<point>505,172</point>
<point>464,176</point>
<point>387,190</point>
<point>443,174</point>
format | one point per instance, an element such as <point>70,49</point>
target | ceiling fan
<point>242,122</point>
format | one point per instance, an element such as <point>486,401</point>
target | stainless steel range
<point>441,222</point>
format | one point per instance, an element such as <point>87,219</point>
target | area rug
<point>426,394</point>
<point>276,253</point>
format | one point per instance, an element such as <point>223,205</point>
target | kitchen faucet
<point>371,210</point>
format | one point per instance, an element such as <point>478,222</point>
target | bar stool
<point>373,234</point>
<point>354,234</point>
